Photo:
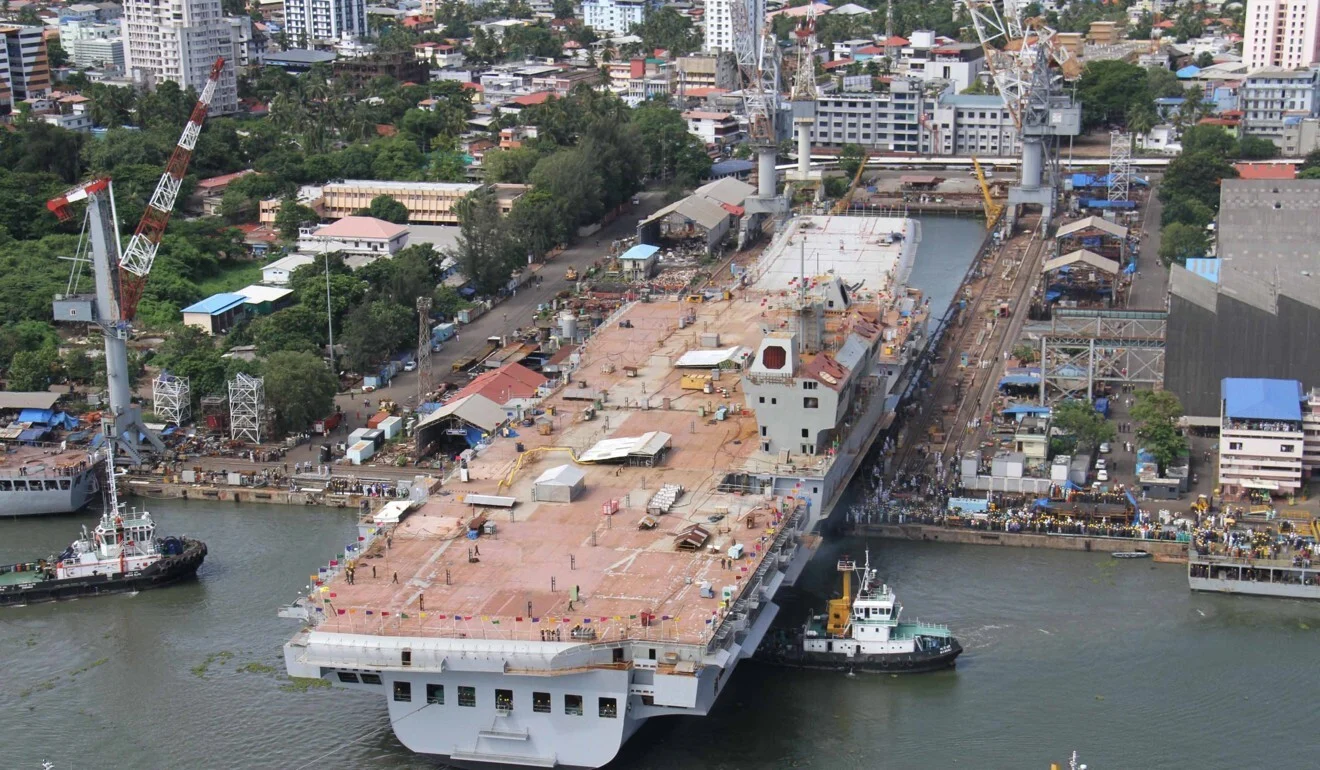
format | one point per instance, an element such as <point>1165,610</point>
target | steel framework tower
<point>247,404</point>
<point>803,96</point>
<point>423,348</point>
<point>171,398</point>
<point>1120,165</point>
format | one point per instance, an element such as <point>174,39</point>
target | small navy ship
<point>863,633</point>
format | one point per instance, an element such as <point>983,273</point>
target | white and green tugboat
<point>864,633</point>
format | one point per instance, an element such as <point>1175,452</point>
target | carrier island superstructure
<point>615,562</point>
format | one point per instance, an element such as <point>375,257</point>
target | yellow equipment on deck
<point>840,610</point>
<point>992,209</point>
<point>846,200</point>
<point>508,478</point>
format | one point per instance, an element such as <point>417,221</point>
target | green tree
<point>1161,82</point>
<point>300,388</point>
<point>1312,160</point>
<point>294,328</point>
<point>388,208</point>
<point>33,369</point>
<point>1189,211</point>
<point>189,352</point>
<point>1211,139</point>
<point>1079,419</point>
<point>513,165</point>
<point>373,331</point>
<point>1156,414</point>
<point>1180,242</point>
<point>1256,148</point>
<point>850,159</point>
<point>570,176</point>
<point>1108,88</point>
<point>447,302</point>
<point>78,366</point>
<point>293,216</point>
<point>484,253</point>
<point>536,225</point>
<point>1205,59</point>
<point>672,152</point>
<point>668,29</point>
<point>1309,173</point>
<point>1196,175</point>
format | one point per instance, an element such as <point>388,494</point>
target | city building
<point>296,61</point>
<point>1281,34</point>
<point>971,124</point>
<point>719,23</point>
<point>1269,98</point>
<point>1260,436</point>
<point>355,235</point>
<point>1300,137</point>
<point>1258,314</point>
<point>279,272</point>
<point>1311,434</point>
<point>209,193</point>
<point>959,64</point>
<point>615,16</point>
<point>95,45</point>
<point>706,71</point>
<point>24,67</point>
<point>427,202</point>
<point>180,42</point>
<point>69,111</point>
<point>713,128</point>
<point>308,22</point>
<point>247,46</point>
<point>880,121</point>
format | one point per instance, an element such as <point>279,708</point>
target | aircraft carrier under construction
<point>615,560</point>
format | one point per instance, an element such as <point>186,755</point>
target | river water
<point>1065,651</point>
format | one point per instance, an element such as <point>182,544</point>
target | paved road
<point>1151,284</point>
<point>516,311</point>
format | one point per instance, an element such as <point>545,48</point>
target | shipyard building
<point>1254,311</point>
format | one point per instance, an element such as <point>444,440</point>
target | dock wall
<point>1158,548</point>
<point>161,490</point>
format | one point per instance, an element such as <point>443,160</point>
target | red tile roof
<point>503,385</point>
<point>528,100</point>
<point>223,180</point>
<point>1266,170</point>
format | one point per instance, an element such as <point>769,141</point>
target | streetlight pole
<point>329,317</point>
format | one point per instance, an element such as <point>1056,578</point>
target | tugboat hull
<point>166,571</point>
<point>919,662</point>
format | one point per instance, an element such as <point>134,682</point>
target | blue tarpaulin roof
<point>33,434</point>
<point>1022,376</point>
<point>1251,398</point>
<point>1099,180</point>
<point>1190,71</point>
<point>1027,409</point>
<point>1207,268</point>
<point>1096,203</point>
<point>216,304</point>
<point>38,416</point>
<point>640,252</point>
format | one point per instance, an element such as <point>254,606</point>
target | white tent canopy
<point>561,475</point>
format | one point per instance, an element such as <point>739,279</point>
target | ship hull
<point>919,662</point>
<point>82,489</point>
<point>167,571</point>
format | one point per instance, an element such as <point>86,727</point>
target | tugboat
<point>863,633</point>
<point>121,554</point>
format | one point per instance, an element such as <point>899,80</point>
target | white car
<point>1100,464</point>
<point>410,366</point>
<point>1102,475</point>
<point>1104,448</point>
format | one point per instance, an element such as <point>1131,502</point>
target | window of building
<point>573,705</point>
<point>810,402</point>
<point>609,708</point>
<point>348,676</point>
<point>763,431</point>
<point>810,384</point>
<point>765,446</point>
<point>371,679</point>
<point>774,401</point>
<point>762,399</point>
<point>1234,445</point>
<point>435,694</point>
<point>806,433</point>
<point>467,696</point>
<point>504,700</point>
<point>403,692</point>
<point>1286,447</point>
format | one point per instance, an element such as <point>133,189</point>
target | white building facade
<point>614,16</point>
<point>1262,441</point>
<point>719,23</point>
<point>180,43</point>
<point>310,21</point>
<point>1281,33</point>
<point>1271,97</point>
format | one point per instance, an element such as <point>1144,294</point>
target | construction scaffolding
<point>1082,348</point>
<point>423,348</point>
<point>247,405</point>
<point>171,398</point>
<point>1120,165</point>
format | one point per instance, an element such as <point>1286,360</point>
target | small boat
<point>1138,554</point>
<point>864,634</point>
<point>122,554</point>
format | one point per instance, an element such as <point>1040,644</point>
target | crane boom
<point>137,258</point>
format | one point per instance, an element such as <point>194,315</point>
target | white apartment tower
<point>180,40</point>
<point>719,23</point>
<point>1282,34</point>
<point>308,22</point>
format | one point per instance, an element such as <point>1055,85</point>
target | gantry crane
<point>1019,55</point>
<point>802,95</point>
<point>993,209</point>
<point>120,276</point>
<point>758,63</point>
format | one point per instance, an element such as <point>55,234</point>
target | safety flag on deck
<point>341,612</point>
<point>495,622</point>
<point>369,612</point>
<point>384,614</point>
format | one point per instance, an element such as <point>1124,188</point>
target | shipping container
<point>361,452</point>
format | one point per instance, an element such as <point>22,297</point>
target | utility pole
<point>423,348</point>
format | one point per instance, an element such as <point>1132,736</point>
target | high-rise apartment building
<point>308,22</point>
<point>1283,34</point>
<point>24,68</point>
<point>180,41</point>
<point>719,22</point>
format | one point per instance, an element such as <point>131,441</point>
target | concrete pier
<point>1163,550</point>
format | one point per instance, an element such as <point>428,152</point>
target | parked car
<point>410,366</point>
<point>1104,448</point>
<point>1102,475</point>
<point>1100,464</point>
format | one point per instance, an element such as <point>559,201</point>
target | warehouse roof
<point>1262,399</point>
<point>28,399</point>
<point>216,304</point>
